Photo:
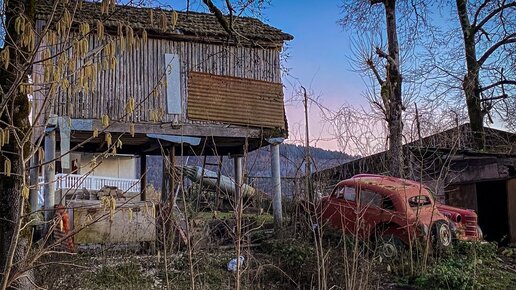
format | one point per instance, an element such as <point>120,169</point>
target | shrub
<point>467,266</point>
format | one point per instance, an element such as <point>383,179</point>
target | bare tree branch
<point>506,40</point>
<point>501,8</point>
<point>219,15</point>
<point>375,71</point>
<point>231,10</point>
<point>477,13</point>
<point>504,96</point>
<point>502,82</point>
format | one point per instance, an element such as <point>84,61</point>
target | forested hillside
<point>258,163</point>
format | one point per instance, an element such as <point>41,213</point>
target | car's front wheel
<point>441,235</point>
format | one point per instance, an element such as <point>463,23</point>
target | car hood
<point>447,209</point>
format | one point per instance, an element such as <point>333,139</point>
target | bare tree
<point>382,61</point>
<point>489,27</point>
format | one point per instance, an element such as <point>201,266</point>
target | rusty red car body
<point>373,206</point>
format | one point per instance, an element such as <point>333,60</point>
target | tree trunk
<point>471,83</point>
<point>14,243</point>
<point>392,88</point>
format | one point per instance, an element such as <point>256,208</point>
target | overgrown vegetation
<point>286,263</point>
<point>120,276</point>
<point>467,266</point>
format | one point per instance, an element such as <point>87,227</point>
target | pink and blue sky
<point>319,59</point>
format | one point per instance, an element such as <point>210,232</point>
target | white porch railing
<point>90,182</point>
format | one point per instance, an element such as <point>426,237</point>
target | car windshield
<point>419,200</point>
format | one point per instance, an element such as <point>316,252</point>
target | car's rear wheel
<point>389,246</point>
<point>441,235</point>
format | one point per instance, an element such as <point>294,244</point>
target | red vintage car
<point>382,208</point>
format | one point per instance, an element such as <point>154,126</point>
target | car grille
<point>471,225</point>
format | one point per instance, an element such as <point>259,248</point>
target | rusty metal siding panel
<point>234,100</point>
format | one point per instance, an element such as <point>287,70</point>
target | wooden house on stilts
<point>115,83</point>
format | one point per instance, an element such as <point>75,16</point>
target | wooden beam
<point>172,176</point>
<point>165,181</point>
<point>198,130</point>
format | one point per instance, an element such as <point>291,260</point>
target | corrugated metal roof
<point>234,100</point>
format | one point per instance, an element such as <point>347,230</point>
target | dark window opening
<point>419,200</point>
<point>387,204</point>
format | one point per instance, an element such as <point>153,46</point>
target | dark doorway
<point>492,210</point>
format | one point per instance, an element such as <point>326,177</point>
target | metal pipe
<point>276,179</point>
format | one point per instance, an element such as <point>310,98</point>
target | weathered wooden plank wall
<point>139,74</point>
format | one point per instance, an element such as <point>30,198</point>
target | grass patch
<point>123,276</point>
<point>209,270</point>
<point>259,219</point>
<point>467,266</point>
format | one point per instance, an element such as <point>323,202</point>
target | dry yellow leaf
<point>25,192</point>
<point>7,167</point>
<point>105,120</point>
<point>108,139</point>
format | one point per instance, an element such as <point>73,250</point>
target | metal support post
<point>238,181</point>
<point>276,180</point>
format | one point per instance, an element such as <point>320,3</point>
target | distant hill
<point>258,164</point>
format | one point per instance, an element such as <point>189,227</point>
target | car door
<point>340,211</point>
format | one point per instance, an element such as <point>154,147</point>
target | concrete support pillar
<point>276,181</point>
<point>238,181</point>
<point>143,177</point>
<point>49,174</point>
<point>34,182</point>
